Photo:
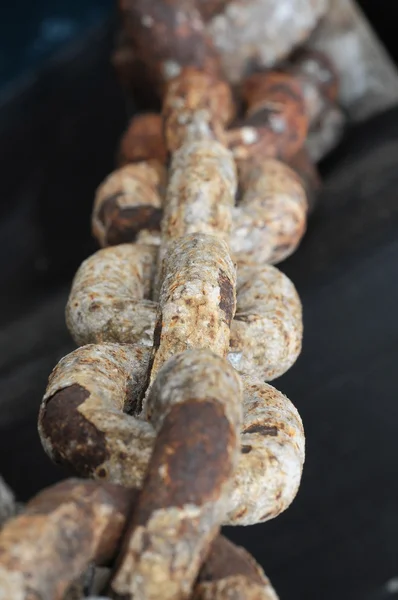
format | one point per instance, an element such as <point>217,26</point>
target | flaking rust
<point>201,191</point>
<point>86,419</point>
<point>196,274</point>
<point>319,82</point>
<point>129,203</point>
<point>203,181</point>
<point>83,426</point>
<point>76,524</point>
<point>171,398</point>
<point>194,397</point>
<point>197,298</point>
<point>171,414</point>
<point>195,407</point>
<point>108,303</point>
<point>259,34</point>
<point>202,202</point>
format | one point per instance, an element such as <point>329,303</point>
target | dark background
<point>61,113</point>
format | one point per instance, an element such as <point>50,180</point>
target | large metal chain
<point>181,319</point>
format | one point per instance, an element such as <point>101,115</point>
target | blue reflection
<point>30,32</point>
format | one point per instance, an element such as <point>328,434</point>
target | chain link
<point>181,319</point>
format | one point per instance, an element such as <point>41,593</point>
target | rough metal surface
<point>271,216</point>
<point>348,361</point>
<point>201,191</point>
<point>268,475</point>
<point>118,447</point>
<point>197,299</point>
<point>267,330</point>
<point>110,297</point>
<point>182,379</point>
<point>84,421</point>
<point>189,457</point>
<point>128,202</point>
<point>320,85</point>
<point>61,531</point>
<point>194,398</point>
<point>105,306</point>
<point>195,405</point>
<point>255,34</point>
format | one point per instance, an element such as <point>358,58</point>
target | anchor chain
<point>181,319</point>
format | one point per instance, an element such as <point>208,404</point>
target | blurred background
<point>61,115</point>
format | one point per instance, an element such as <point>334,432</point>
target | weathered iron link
<point>70,527</point>
<point>234,36</point>
<point>87,423</point>
<point>181,317</point>
<point>195,396</point>
<point>108,304</point>
<point>230,572</point>
<point>269,219</point>
<point>61,531</point>
<point>195,407</point>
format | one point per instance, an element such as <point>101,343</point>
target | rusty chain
<point>181,319</point>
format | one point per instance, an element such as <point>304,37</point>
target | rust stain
<point>124,223</point>
<point>263,429</point>
<point>193,448</point>
<point>227,296</point>
<point>76,442</point>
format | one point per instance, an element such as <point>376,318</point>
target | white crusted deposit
<point>258,33</point>
<point>267,330</point>
<point>270,219</point>
<point>201,191</point>
<point>109,300</point>
<point>272,456</point>
<point>197,298</point>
